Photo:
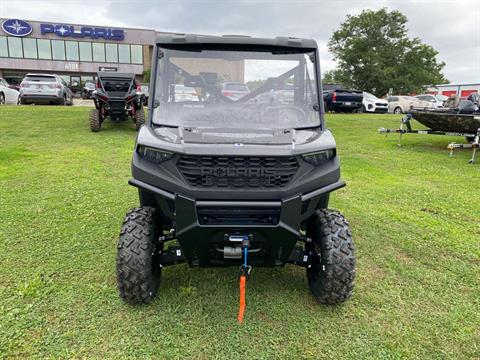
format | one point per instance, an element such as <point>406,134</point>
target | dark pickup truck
<point>338,99</point>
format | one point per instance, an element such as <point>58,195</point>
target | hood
<point>235,141</point>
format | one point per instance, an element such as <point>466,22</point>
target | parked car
<point>88,89</point>
<point>45,89</point>
<point>399,104</point>
<point>373,104</point>
<point>426,102</point>
<point>339,99</point>
<point>278,96</point>
<point>185,93</point>
<point>7,94</point>
<point>235,91</point>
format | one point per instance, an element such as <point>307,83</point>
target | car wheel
<point>138,269</point>
<point>2,99</point>
<point>362,109</point>
<point>397,110</point>
<point>332,272</point>
<point>95,120</point>
<point>139,118</point>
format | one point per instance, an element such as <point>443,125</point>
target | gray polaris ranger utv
<point>236,164</point>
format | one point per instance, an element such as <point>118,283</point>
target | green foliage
<point>374,54</point>
<point>146,76</point>
<point>63,196</point>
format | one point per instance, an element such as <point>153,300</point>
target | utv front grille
<point>238,172</point>
<point>238,216</point>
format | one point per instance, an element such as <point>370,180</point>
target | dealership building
<point>74,51</point>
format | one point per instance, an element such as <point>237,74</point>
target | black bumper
<point>41,99</point>
<point>203,228</point>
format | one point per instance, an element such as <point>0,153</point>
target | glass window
<point>30,48</point>
<point>3,46</point>
<point>44,49</point>
<point>72,50</point>
<point>124,53</point>
<point>98,52</point>
<point>15,47</point>
<point>112,52</point>
<point>85,51</point>
<point>58,49</point>
<point>137,57</point>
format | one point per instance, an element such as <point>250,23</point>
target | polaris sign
<point>16,27</point>
<point>63,30</point>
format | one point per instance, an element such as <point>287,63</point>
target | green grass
<point>414,214</point>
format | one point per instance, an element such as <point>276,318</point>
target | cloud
<point>451,27</point>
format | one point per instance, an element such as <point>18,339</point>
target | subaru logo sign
<point>16,27</point>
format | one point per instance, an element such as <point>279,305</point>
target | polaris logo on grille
<point>218,171</point>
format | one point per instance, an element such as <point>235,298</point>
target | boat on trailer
<point>450,122</point>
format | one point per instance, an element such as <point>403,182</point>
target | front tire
<point>2,99</point>
<point>331,276</point>
<point>95,121</point>
<point>138,270</point>
<point>397,110</point>
<point>139,118</point>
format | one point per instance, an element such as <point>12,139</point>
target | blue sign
<point>64,30</point>
<point>16,27</point>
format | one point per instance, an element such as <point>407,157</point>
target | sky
<point>451,27</point>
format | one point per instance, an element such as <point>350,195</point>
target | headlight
<point>319,157</point>
<point>154,155</point>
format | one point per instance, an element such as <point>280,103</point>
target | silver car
<point>45,89</point>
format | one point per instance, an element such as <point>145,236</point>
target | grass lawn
<point>415,218</point>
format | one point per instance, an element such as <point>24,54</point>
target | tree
<point>329,77</point>
<point>374,54</point>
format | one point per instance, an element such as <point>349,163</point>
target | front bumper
<point>203,227</point>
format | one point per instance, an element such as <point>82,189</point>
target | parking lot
<point>64,193</point>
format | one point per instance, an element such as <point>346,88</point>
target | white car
<point>7,95</point>
<point>235,91</point>
<point>427,102</point>
<point>373,104</point>
<point>185,93</point>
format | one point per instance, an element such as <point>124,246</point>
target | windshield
<point>236,89</point>
<point>369,97</point>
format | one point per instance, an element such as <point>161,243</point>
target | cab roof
<point>241,40</point>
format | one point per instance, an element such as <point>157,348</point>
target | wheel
<point>95,121</point>
<point>138,270</point>
<point>397,110</point>
<point>2,99</point>
<point>139,118</point>
<point>362,109</point>
<point>332,273</point>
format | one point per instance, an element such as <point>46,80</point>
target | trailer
<point>472,136</point>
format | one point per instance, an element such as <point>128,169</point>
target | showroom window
<point>137,54</point>
<point>71,48</point>
<point>3,46</point>
<point>15,47</point>
<point>124,53</point>
<point>85,51</point>
<point>98,52</point>
<point>58,49</point>
<point>44,49</point>
<point>111,53</point>
<point>30,48</point>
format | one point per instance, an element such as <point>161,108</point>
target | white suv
<point>45,89</point>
